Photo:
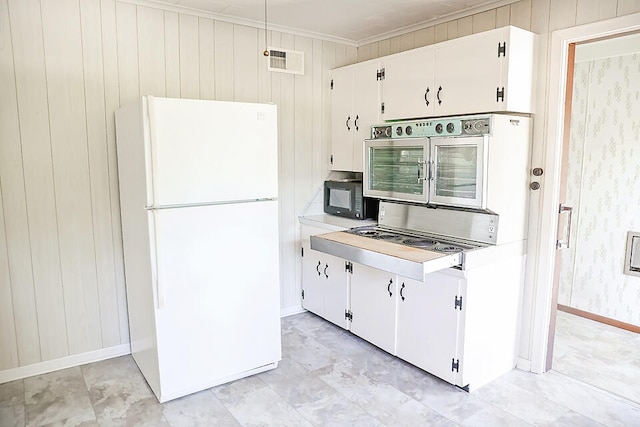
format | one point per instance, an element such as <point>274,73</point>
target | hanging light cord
<point>266,50</point>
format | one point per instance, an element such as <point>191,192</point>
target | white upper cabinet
<point>408,88</point>
<point>480,73</point>
<point>355,108</point>
<point>485,72</point>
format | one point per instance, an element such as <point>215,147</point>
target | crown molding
<point>235,20</point>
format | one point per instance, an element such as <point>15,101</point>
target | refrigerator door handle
<point>154,260</point>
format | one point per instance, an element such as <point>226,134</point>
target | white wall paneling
<point>38,302</point>
<point>14,233</point>
<point>62,294</point>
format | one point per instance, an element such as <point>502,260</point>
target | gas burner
<point>420,243</point>
<point>441,247</point>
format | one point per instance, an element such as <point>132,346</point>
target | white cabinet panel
<point>355,108</point>
<point>428,322</point>
<point>373,306</point>
<point>325,286</point>
<point>408,87</point>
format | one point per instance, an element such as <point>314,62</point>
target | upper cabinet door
<point>408,86</point>
<point>341,118</point>
<point>366,108</point>
<point>468,74</point>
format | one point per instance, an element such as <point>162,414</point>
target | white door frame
<point>543,312</point>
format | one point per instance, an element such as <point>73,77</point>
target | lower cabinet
<point>430,323</point>
<point>325,286</point>
<point>373,306</point>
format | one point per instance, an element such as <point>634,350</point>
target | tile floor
<point>598,354</point>
<point>327,377</point>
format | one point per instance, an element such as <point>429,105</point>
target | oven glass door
<point>396,169</point>
<point>458,171</point>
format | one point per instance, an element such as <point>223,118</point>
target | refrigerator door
<point>203,152</point>
<point>217,293</point>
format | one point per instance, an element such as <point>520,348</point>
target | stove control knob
<point>399,131</point>
<point>408,130</point>
<point>387,131</point>
<point>450,127</point>
<point>439,128</point>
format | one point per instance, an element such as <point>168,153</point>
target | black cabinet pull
<point>389,287</point>
<point>438,95</point>
<point>426,100</point>
<point>347,122</point>
<point>325,270</point>
<point>318,268</point>
<point>402,289</point>
<point>355,123</point>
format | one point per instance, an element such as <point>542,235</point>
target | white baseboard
<point>290,311</point>
<point>63,363</point>
<point>523,364</point>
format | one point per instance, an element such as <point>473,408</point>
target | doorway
<point>598,304</point>
<point>545,294</point>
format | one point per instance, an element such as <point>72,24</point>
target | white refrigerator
<point>198,192</point>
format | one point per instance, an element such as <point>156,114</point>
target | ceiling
<point>354,21</point>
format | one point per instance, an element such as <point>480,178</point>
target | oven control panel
<point>425,128</point>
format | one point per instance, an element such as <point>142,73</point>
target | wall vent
<point>285,61</point>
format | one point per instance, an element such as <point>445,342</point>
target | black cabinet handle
<point>426,100</point>
<point>389,287</point>
<point>355,123</point>
<point>325,270</point>
<point>347,123</point>
<point>318,268</point>
<point>438,95</point>
<point>402,289</point>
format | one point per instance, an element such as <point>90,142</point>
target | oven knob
<point>450,127</point>
<point>439,128</point>
<point>408,130</point>
<point>399,130</point>
<point>387,131</point>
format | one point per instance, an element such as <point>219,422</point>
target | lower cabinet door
<point>427,333</point>
<point>373,306</point>
<point>325,286</point>
<point>312,280</point>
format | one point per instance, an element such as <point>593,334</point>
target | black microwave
<point>344,198</point>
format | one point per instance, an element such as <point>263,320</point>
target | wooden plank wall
<point>65,66</point>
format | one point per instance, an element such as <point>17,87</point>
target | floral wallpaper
<point>603,187</point>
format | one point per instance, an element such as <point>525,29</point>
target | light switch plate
<point>632,254</point>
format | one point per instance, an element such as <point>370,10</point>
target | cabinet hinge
<point>502,49</point>
<point>348,267</point>
<point>303,294</point>
<point>455,365</point>
<point>458,303</point>
<point>380,74</point>
<point>382,108</point>
<point>331,160</point>
<point>500,94</point>
<point>331,84</point>
<point>348,315</point>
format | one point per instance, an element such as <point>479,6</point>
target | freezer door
<point>210,151</point>
<point>218,303</point>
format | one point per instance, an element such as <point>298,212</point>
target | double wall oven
<point>440,161</point>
